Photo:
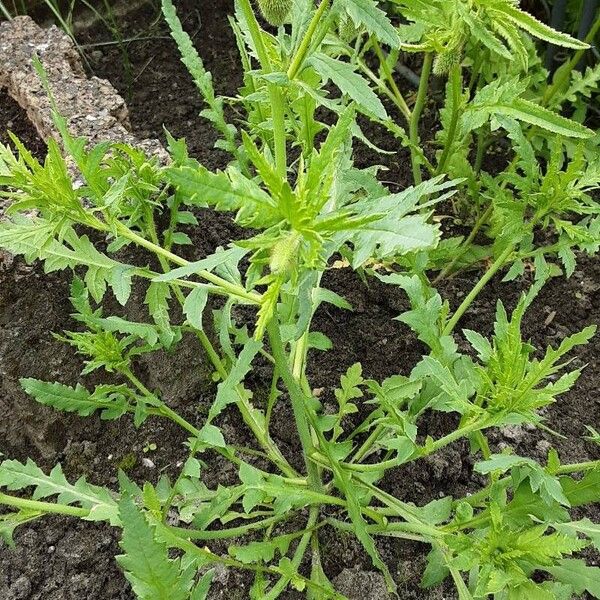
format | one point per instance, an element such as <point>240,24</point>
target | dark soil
<point>57,558</point>
<point>14,120</point>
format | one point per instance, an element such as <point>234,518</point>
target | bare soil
<point>59,558</point>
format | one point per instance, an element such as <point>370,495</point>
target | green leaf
<point>221,257</point>
<point>212,436</point>
<point>120,282</point>
<point>436,570</point>
<point>585,526</point>
<point>157,299</point>
<point>349,82</point>
<point>10,521</point>
<point>319,341</point>
<point>367,13</point>
<point>394,232</point>
<point>522,468</point>
<point>226,191</point>
<point>34,239</point>
<point>144,331</point>
<point>455,394</point>
<point>388,237</point>
<point>582,491</point>
<point>534,114</point>
<point>110,400</point>
<point>536,28</point>
<point>202,78</point>
<point>480,32</point>
<point>577,574</point>
<point>99,501</point>
<point>226,391</point>
<point>194,304</point>
<point>200,592</point>
<point>146,563</point>
<point>255,552</point>
<point>481,344</point>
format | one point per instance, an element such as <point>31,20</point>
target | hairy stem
<point>460,311</point>
<point>578,467</point>
<point>43,507</point>
<point>466,244</point>
<point>297,399</point>
<point>280,586</point>
<point>300,55</point>
<point>385,67</point>
<point>416,115</point>
<point>228,288</point>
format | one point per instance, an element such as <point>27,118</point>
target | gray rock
<point>92,106</point>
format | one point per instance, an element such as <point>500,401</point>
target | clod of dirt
<point>361,585</point>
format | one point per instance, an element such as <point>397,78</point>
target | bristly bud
<point>283,253</point>
<point>447,59</point>
<point>275,12</point>
<point>347,30</point>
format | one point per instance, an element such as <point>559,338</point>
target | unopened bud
<point>275,12</point>
<point>283,253</point>
<point>347,30</point>
<point>446,60</point>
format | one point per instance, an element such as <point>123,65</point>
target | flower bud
<point>347,30</point>
<point>275,12</point>
<point>447,59</point>
<point>283,253</point>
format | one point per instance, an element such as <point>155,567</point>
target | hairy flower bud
<point>446,60</point>
<point>275,12</point>
<point>283,253</point>
<point>347,30</point>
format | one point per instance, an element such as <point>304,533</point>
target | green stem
<point>401,530</point>
<point>256,34</point>
<point>456,82</point>
<point>381,86</point>
<point>273,393</point>
<point>385,67</point>
<point>297,400</point>
<point>43,507</point>
<point>230,532</point>
<point>247,412</point>
<point>243,405</point>
<point>482,146</point>
<point>396,462</point>
<point>565,72</point>
<point>275,95</point>
<point>368,443</point>
<point>283,582</point>
<point>300,55</point>
<point>279,138</point>
<point>163,409</point>
<point>466,244</point>
<point>578,467</point>
<point>416,115</point>
<point>496,266</point>
<point>227,287</point>
<point>176,418</point>
<point>403,510</point>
